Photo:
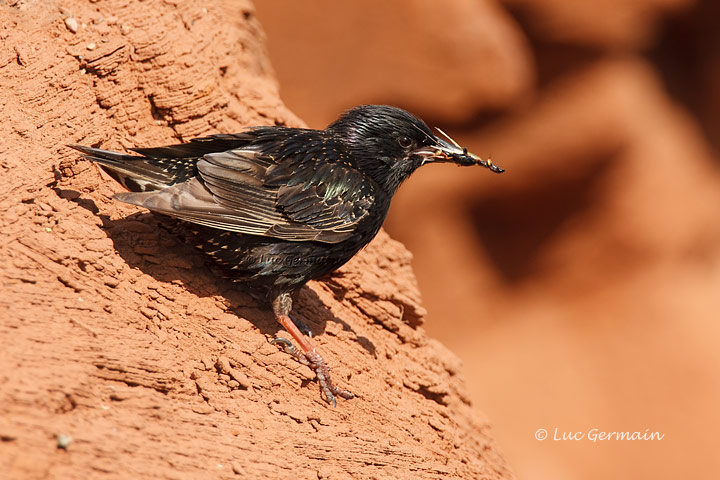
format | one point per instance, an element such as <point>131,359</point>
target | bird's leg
<point>307,355</point>
<point>304,329</point>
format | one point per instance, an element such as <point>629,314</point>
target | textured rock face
<point>123,357</point>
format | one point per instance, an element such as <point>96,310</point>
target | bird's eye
<point>404,141</point>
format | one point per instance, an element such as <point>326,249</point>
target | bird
<point>275,207</point>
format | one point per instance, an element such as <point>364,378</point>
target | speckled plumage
<point>276,207</point>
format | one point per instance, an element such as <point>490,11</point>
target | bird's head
<point>389,144</point>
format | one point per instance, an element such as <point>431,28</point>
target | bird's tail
<point>137,174</point>
<point>160,167</point>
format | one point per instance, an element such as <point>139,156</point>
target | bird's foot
<point>307,355</point>
<point>291,349</point>
<point>315,361</point>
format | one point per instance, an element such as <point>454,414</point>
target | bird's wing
<point>330,197</point>
<point>246,191</point>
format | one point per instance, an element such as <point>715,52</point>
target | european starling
<point>276,207</point>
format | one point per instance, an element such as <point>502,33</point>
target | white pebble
<point>71,24</point>
<point>63,441</point>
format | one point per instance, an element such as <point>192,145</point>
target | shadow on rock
<point>144,241</point>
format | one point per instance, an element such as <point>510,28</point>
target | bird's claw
<point>315,361</point>
<point>323,375</point>
<point>291,349</point>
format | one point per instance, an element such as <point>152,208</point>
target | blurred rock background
<point>581,287</point>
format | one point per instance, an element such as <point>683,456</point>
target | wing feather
<point>302,198</point>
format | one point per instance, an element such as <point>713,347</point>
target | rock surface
<point>123,357</point>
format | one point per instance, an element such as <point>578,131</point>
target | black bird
<point>276,207</point>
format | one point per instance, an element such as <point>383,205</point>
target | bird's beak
<point>448,150</point>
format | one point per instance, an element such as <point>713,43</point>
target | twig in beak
<point>449,139</point>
